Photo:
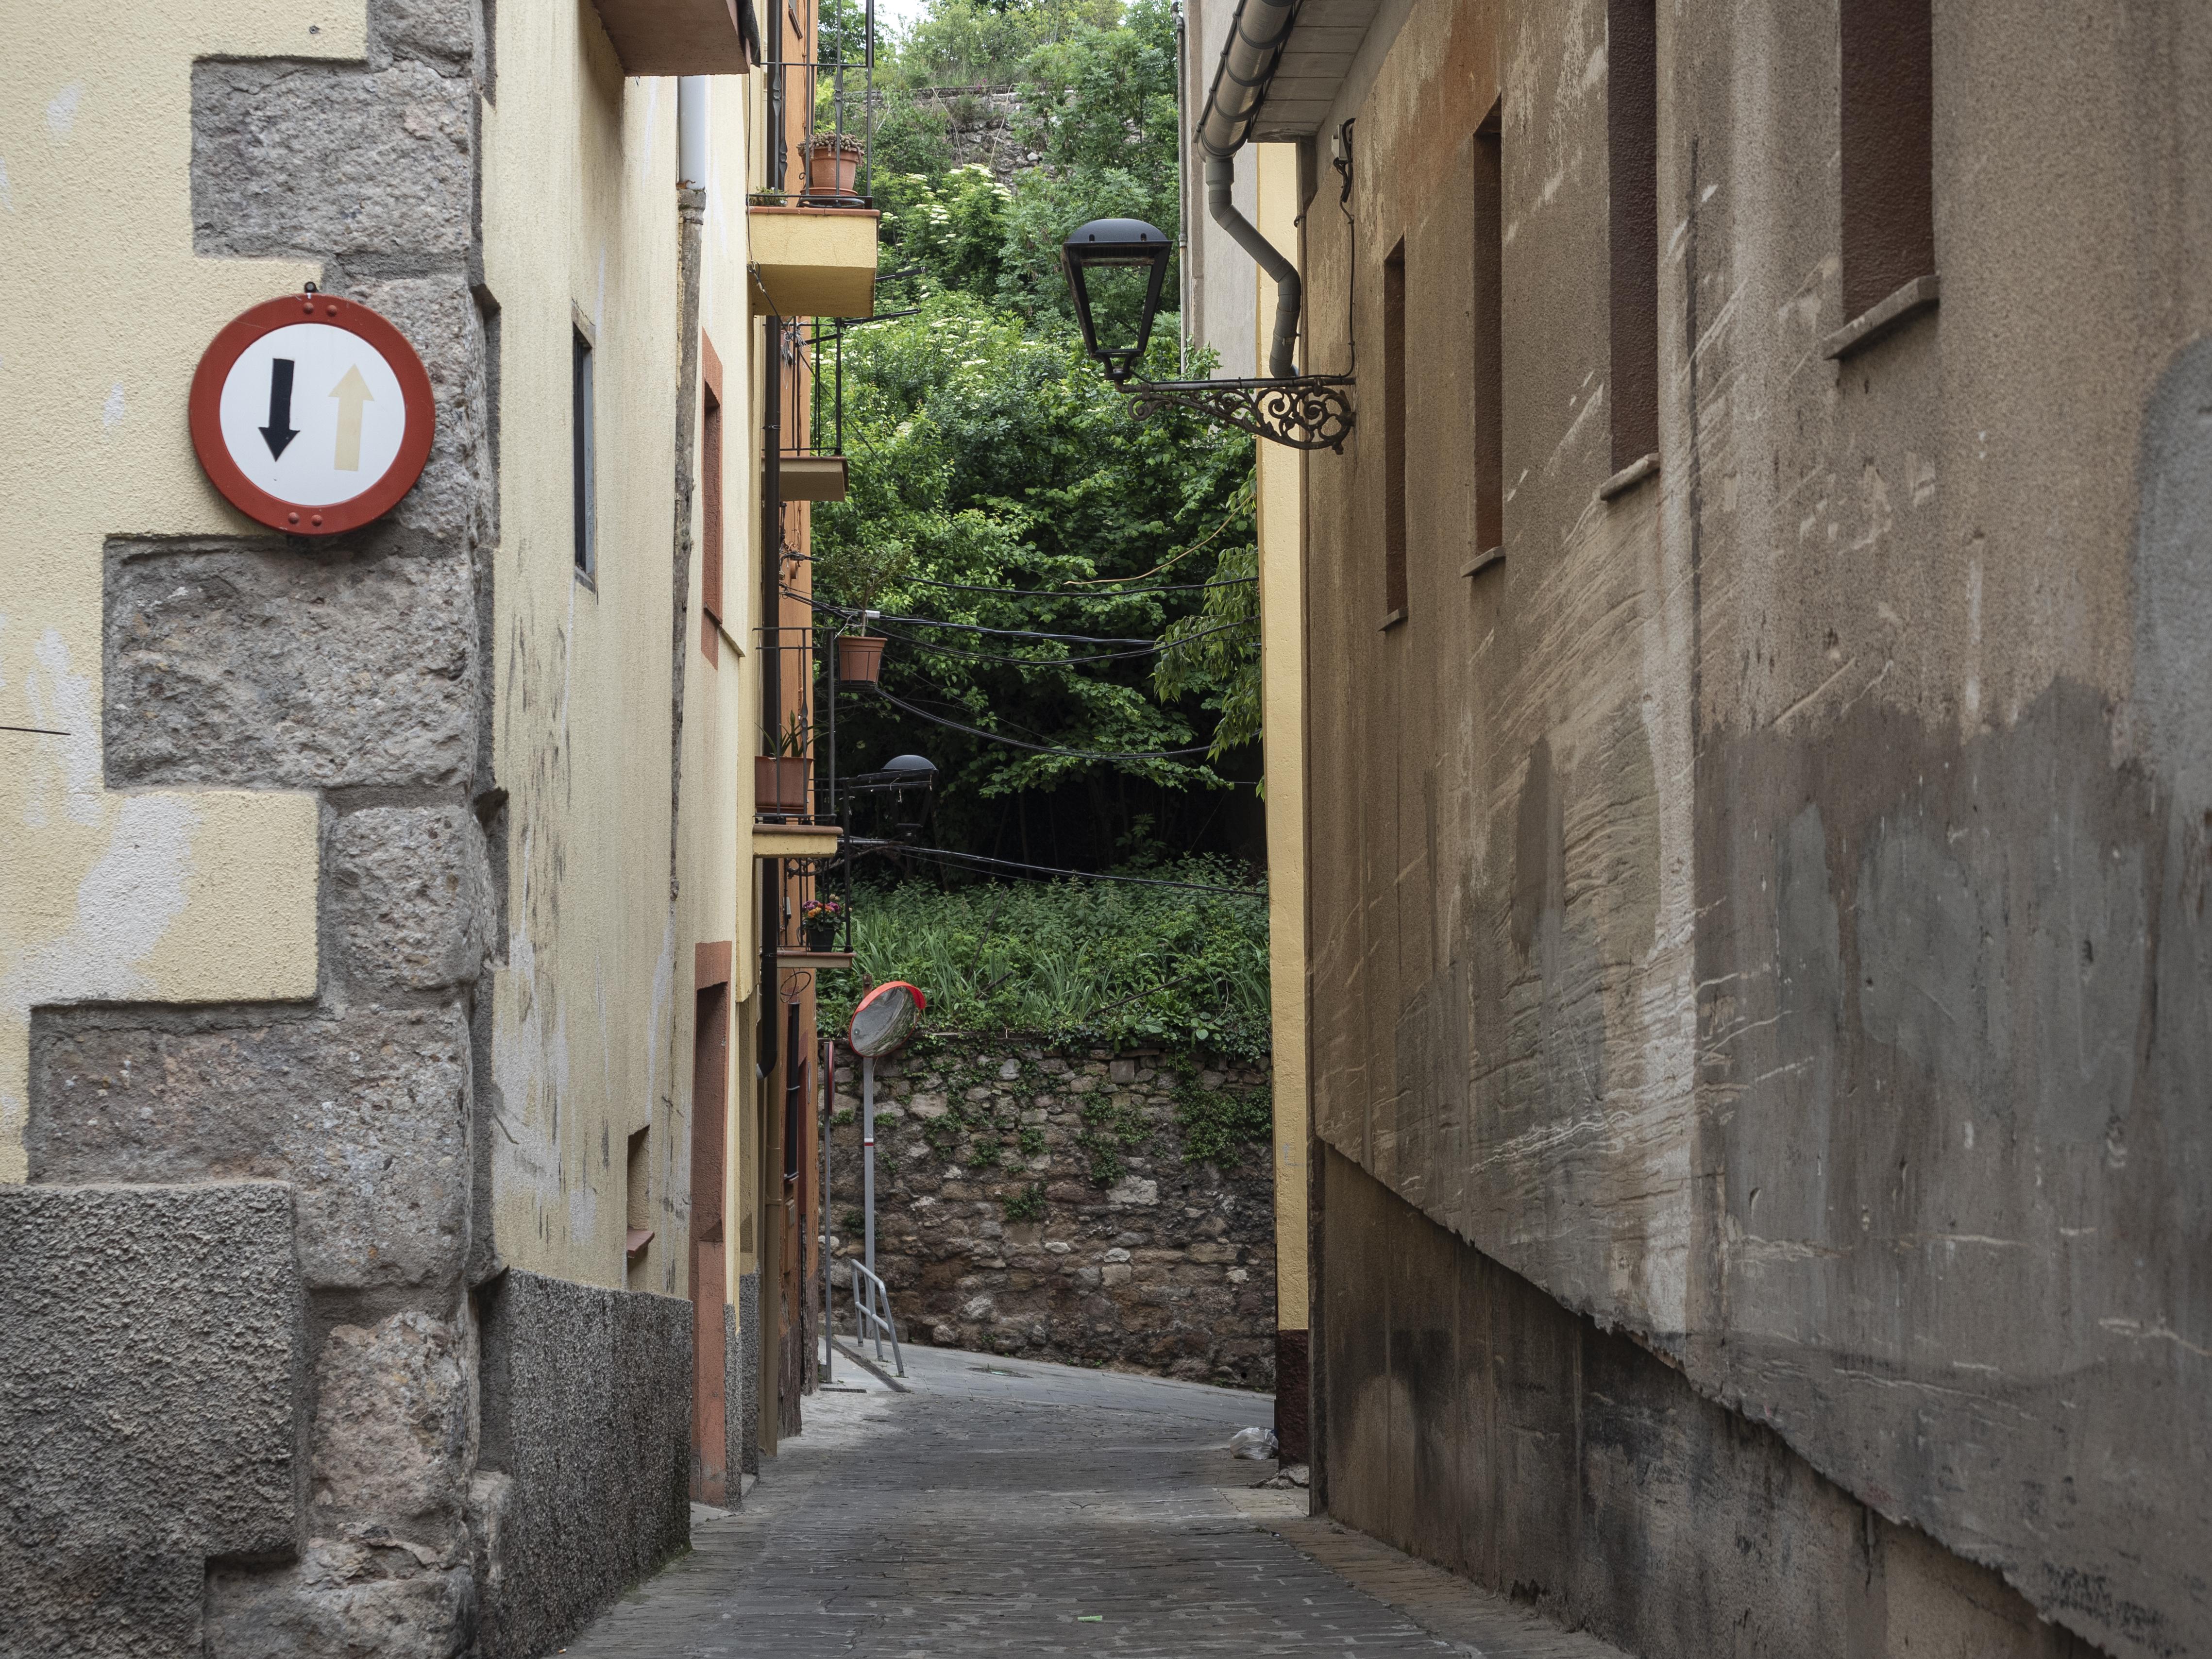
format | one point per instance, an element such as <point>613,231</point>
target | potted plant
<point>832,165</point>
<point>860,658</point>
<point>780,777</point>
<point>818,921</point>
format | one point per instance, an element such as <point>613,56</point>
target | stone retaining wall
<point>1083,1207</point>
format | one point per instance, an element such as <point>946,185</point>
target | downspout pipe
<point>692,132</point>
<point>1257,34</point>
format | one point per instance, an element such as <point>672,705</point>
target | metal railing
<point>822,106</point>
<point>872,1315</point>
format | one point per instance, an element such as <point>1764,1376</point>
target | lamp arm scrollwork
<point>1309,411</point>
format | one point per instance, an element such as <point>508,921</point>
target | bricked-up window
<point>1394,435</point>
<point>583,450</point>
<point>1631,136</point>
<point>1489,339</point>
<point>1888,162</point>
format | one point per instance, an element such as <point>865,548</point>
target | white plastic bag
<point>1258,1444</point>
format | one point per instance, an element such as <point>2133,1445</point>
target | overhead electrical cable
<point>943,854</point>
<point>1058,593</point>
<point>1037,748</point>
<point>854,615</point>
<point>1154,649</point>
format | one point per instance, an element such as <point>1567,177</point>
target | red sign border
<point>292,517</point>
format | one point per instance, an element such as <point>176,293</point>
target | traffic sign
<point>311,414</point>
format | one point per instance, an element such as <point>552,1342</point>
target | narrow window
<point>710,506</point>
<point>1394,435</point>
<point>1888,86</point>
<point>584,449</point>
<point>637,1169</point>
<point>1631,136</point>
<point>1489,344</point>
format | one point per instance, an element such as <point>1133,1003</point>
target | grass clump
<point>1072,963</point>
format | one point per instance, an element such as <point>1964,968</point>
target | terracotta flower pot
<point>859,659</point>
<point>779,783</point>
<point>833,166</point>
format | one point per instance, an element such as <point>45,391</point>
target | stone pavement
<point>1009,1507</point>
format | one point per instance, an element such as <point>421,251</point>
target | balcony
<point>814,261</point>
<point>674,37</point>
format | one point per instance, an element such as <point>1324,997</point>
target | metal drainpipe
<point>691,130</point>
<point>1256,35</point>
<point>771,664</point>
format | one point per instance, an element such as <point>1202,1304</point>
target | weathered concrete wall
<point>151,1407</point>
<point>1473,1420</point>
<point>1044,1204</point>
<point>586,1459</point>
<point>1770,898</point>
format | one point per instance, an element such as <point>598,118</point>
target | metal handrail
<point>871,1314</point>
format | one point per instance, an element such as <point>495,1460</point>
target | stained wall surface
<point>1764,911</point>
<point>363,878</point>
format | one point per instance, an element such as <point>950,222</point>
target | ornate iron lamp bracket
<point>1309,412</point>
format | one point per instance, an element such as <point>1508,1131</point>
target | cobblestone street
<point>1015,1508</point>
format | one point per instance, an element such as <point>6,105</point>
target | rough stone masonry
<point>1087,1208</point>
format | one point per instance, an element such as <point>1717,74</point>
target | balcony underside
<point>674,37</point>
<point>814,262</point>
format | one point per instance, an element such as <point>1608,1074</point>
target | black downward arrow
<point>279,432</point>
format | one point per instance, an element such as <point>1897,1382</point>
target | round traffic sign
<point>311,414</point>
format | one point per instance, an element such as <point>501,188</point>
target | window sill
<point>1885,318</point>
<point>584,577</point>
<point>1642,467</point>
<point>633,1245</point>
<point>1483,561</point>
<point>1391,619</point>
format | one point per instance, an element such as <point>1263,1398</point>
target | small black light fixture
<point>1127,253</point>
<point>1304,411</point>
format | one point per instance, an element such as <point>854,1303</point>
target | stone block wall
<point>243,1374</point>
<point>1061,1207</point>
<point>153,1347</point>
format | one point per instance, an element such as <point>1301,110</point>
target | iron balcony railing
<point>821,108</point>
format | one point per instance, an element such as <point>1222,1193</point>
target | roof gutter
<point>1257,34</point>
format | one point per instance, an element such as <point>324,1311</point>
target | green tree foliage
<point>1073,962</point>
<point>989,454</point>
<point>986,452</point>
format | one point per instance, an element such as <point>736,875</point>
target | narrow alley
<point>1003,1507</point>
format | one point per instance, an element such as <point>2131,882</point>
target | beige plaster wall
<point>594,1006</point>
<point>154,895</point>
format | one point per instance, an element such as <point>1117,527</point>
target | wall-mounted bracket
<point>1304,411</point>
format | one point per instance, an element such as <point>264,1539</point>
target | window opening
<point>1394,435</point>
<point>1632,131</point>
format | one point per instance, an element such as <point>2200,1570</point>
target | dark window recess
<point>1631,137</point>
<point>1393,433</point>
<point>795,1101</point>
<point>710,526</point>
<point>1888,91</point>
<point>1489,340</point>
<point>637,1169</point>
<point>583,450</point>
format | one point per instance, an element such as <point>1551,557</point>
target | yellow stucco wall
<point>593,1007</point>
<point>1282,650</point>
<point>152,896</point>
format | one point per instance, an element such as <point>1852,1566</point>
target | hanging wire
<point>944,854</point>
<point>1153,649</point>
<point>852,615</point>
<point>1056,593</point>
<point>1037,748</point>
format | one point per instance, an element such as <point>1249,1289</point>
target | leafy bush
<point>1078,963</point>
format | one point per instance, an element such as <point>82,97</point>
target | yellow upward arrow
<point>351,392</point>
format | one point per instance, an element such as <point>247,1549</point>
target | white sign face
<point>313,413</point>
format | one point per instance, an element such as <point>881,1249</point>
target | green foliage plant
<point>1218,1124</point>
<point>1072,964</point>
<point>1027,1205</point>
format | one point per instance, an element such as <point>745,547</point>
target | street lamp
<point>1127,255</point>
<point>1116,269</point>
